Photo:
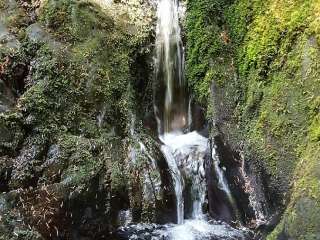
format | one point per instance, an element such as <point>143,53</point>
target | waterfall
<point>222,181</point>
<point>170,90</point>
<point>170,107</point>
<point>184,151</point>
<point>187,152</point>
<point>178,181</point>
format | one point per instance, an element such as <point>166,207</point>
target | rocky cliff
<point>254,65</point>
<point>73,74</point>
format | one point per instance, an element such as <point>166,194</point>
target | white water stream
<point>185,152</point>
<point>171,111</point>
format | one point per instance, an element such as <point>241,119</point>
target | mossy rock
<point>65,130</point>
<point>11,131</point>
<point>12,226</point>
<point>302,217</point>
<point>265,102</point>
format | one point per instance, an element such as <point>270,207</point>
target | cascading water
<point>170,90</point>
<point>170,108</point>
<point>178,181</point>
<point>188,152</point>
<point>222,181</point>
<point>184,151</point>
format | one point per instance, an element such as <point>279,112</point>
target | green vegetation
<point>14,17</point>
<point>206,43</point>
<point>74,101</point>
<point>81,71</point>
<point>11,133</point>
<point>273,104</point>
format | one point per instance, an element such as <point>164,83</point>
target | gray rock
<point>35,32</point>
<point>7,40</point>
<point>6,97</point>
<point>5,134</point>
<point>53,164</point>
<point>27,166</point>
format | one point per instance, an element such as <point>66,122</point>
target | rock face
<point>254,64</point>
<point>68,89</point>
<point>6,99</point>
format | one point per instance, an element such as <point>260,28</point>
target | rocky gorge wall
<point>76,118</point>
<point>254,65</point>
<point>75,81</point>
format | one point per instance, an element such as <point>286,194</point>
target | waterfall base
<point>190,230</point>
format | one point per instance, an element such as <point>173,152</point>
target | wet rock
<point>26,169</point>
<point>53,165</point>
<point>220,207</point>
<point>11,133</point>
<point>125,217</point>
<point>36,33</point>
<point>56,211</point>
<point>92,219</point>
<point>75,189</point>
<point>248,196</point>
<point>67,188</point>
<point>140,231</point>
<point>7,40</point>
<point>152,195</point>
<point>6,164</point>
<point>5,134</point>
<point>44,210</point>
<point>6,98</point>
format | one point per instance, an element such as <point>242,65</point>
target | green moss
<point>273,105</point>
<point>13,15</point>
<point>45,105</point>
<point>2,5</point>
<point>273,56</point>
<point>277,67</point>
<point>78,99</point>
<point>314,129</point>
<point>15,64</point>
<point>302,217</point>
<point>79,161</point>
<point>205,43</point>
<point>87,75</point>
<point>56,15</point>
<point>119,178</point>
<point>11,133</point>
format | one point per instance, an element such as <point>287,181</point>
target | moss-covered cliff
<point>260,61</point>
<point>70,83</point>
